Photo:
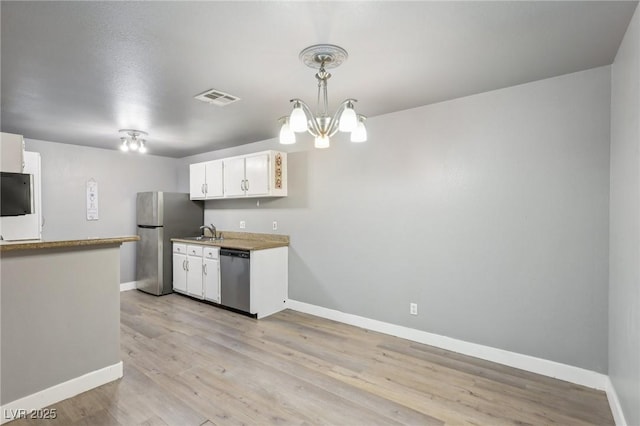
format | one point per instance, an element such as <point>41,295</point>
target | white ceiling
<point>77,72</point>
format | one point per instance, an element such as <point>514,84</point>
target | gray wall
<point>65,172</point>
<point>624,256</point>
<point>490,212</point>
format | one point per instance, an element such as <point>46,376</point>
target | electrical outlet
<point>413,308</point>
<point>275,225</point>
<point>242,224</point>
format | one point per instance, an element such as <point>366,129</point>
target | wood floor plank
<point>190,363</point>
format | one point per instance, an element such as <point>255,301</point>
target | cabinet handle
<point>187,265</point>
<point>202,188</point>
<point>184,267</point>
<point>246,184</point>
<point>242,185</point>
<point>204,268</point>
<point>206,188</point>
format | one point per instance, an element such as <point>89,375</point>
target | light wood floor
<point>188,363</point>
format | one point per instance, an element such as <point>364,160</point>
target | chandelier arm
<point>333,129</point>
<point>315,129</point>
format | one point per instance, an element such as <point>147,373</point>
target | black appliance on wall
<point>15,194</point>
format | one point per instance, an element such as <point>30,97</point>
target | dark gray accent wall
<point>624,256</point>
<point>65,172</point>
<point>490,212</point>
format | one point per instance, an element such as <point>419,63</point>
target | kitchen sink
<point>201,238</point>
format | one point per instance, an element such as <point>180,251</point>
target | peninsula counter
<point>59,320</point>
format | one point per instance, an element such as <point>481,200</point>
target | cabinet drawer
<point>211,252</point>
<point>180,248</point>
<point>194,251</point>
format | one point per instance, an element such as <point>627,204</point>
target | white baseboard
<point>60,392</point>
<point>541,366</point>
<point>131,285</point>
<point>614,403</point>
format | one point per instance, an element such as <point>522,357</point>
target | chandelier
<point>131,140</point>
<point>322,126</point>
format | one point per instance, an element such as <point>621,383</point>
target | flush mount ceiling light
<point>322,126</point>
<point>131,140</point>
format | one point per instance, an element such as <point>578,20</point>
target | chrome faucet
<point>211,229</point>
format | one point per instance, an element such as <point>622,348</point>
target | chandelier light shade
<point>360,132</point>
<point>287,136</point>
<point>298,119</point>
<point>322,141</point>
<point>131,140</point>
<point>348,119</point>
<point>322,126</point>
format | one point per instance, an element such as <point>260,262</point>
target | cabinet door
<point>257,174</point>
<point>211,275</point>
<point>197,177</point>
<point>180,272</point>
<point>194,276</point>
<point>213,183</point>
<point>234,177</point>
<point>12,153</point>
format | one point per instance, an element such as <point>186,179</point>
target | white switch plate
<point>242,224</point>
<point>413,308</point>
<point>275,225</point>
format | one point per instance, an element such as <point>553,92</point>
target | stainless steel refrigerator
<point>160,217</point>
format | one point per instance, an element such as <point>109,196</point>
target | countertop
<point>241,241</point>
<point>43,244</point>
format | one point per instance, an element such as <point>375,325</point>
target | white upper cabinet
<point>11,153</point>
<point>197,177</point>
<point>256,171</point>
<point>263,174</point>
<point>234,177</point>
<point>213,183</point>
<point>205,180</point>
<point>247,176</point>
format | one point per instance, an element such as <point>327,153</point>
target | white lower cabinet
<point>211,274</point>
<point>196,271</point>
<point>180,268</point>
<point>269,286</point>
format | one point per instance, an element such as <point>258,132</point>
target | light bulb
<point>124,147</point>
<point>348,119</point>
<point>298,119</point>
<point>360,133</point>
<point>287,137</point>
<point>322,141</point>
<point>143,148</point>
<point>133,144</point>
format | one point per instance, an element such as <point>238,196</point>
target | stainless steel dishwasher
<point>235,279</point>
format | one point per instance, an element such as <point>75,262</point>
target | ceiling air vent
<point>217,97</point>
